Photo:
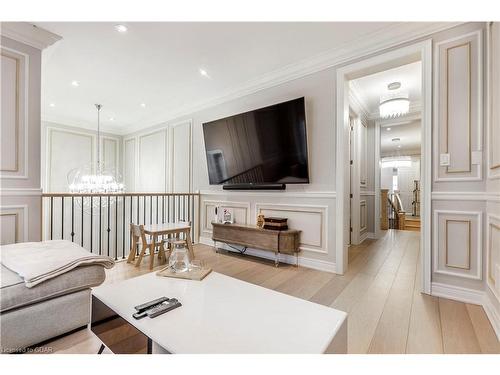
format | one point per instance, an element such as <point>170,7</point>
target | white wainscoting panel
<point>493,111</point>
<point>458,243</point>
<point>310,219</point>
<point>66,150</point>
<point>458,99</point>
<point>493,254</point>
<point>14,114</point>
<point>241,213</point>
<point>13,224</point>
<point>362,216</point>
<point>181,158</point>
<point>129,156</point>
<point>110,152</point>
<point>152,162</point>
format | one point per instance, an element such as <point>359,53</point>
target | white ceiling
<point>158,64</point>
<point>370,88</point>
<point>410,139</point>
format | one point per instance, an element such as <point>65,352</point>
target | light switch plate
<point>477,157</point>
<point>444,160</point>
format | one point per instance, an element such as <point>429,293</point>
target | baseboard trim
<point>492,314</point>
<point>317,264</point>
<point>457,293</point>
<point>476,297</point>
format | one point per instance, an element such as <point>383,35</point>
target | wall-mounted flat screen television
<point>264,146</point>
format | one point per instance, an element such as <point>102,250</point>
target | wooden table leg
<point>152,252</point>
<point>189,243</point>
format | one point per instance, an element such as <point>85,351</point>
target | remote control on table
<point>147,305</point>
<point>163,308</point>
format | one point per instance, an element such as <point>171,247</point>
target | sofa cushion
<point>14,294</point>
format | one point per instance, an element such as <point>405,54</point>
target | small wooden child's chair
<point>138,235</point>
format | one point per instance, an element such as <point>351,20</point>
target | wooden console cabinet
<point>284,241</point>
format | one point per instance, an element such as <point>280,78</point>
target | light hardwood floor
<point>380,292</point>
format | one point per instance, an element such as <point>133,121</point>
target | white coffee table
<point>222,314</point>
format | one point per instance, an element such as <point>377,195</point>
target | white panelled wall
<point>20,187</point>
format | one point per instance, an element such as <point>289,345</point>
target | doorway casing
<point>419,51</point>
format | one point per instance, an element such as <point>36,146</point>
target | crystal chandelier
<point>395,103</point>
<point>95,178</point>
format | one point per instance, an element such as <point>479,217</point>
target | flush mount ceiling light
<point>394,103</point>
<point>121,28</point>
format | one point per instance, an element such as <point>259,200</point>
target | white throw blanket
<point>36,262</point>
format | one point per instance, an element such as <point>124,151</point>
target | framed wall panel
<point>180,157</point>
<point>13,224</point>
<point>458,100</point>
<point>493,111</point>
<point>362,216</point>
<point>129,157</point>
<point>458,243</point>
<point>241,212</point>
<point>312,220</point>
<point>14,114</point>
<point>152,162</point>
<point>66,150</point>
<point>493,253</point>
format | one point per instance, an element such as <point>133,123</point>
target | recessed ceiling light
<point>75,83</point>
<point>399,146</point>
<point>121,28</point>
<point>52,105</point>
<point>388,129</point>
<point>143,105</point>
<point>204,73</point>
<point>111,119</point>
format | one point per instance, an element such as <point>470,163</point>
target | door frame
<point>418,51</point>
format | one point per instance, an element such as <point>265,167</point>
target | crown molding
<point>29,34</point>
<point>388,37</point>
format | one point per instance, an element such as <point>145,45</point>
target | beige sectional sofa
<point>29,316</point>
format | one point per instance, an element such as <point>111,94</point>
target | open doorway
<point>391,148</point>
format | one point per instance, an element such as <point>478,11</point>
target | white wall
<point>20,148</point>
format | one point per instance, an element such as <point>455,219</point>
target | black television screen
<point>267,145</point>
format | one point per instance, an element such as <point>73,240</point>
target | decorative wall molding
<point>273,194</point>
<point>473,267</point>
<point>492,267</point>
<point>20,192</point>
<point>493,96</point>
<point>29,34</point>
<point>22,110</point>
<point>318,243</point>
<point>471,43</point>
<point>492,312</point>
<point>49,149</point>
<point>457,293</point>
<point>316,264</point>
<point>142,176</point>
<point>21,234</point>
<point>175,154</point>
<point>206,216</point>
<point>362,216</point>
<point>465,196</point>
